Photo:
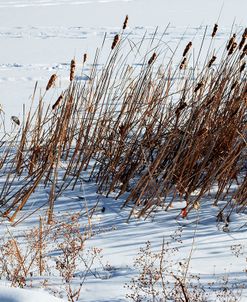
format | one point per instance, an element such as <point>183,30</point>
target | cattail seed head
<point>214,30</point>
<point>125,22</point>
<point>232,48</point>
<point>234,85</point>
<point>198,86</point>
<point>151,60</point>
<point>231,41</point>
<point>181,106</point>
<point>242,67</point>
<point>210,63</point>
<point>244,37</point>
<point>244,52</point>
<point>58,101</point>
<point>72,70</point>
<point>51,82</point>
<point>241,44</point>
<point>84,58</point>
<point>183,64</point>
<point>115,41</point>
<point>187,48</point>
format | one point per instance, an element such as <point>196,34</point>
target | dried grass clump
<point>157,135</point>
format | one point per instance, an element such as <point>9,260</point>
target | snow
<point>8,294</point>
<point>38,38</point>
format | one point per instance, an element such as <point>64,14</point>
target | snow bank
<point>10,294</point>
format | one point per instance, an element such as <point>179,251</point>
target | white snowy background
<point>39,38</point>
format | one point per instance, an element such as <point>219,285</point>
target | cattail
<point>242,67</point>
<point>72,70</point>
<point>198,86</point>
<point>181,106</point>
<point>183,64</point>
<point>84,58</point>
<point>115,41</point>
<point>244,52</point>
<point>187,48</point>
<point>231,41</point>
<point>244,37</point>
<point>58,101</point>
<point>210,63</point>
<point>15,120</point>
<point>125,22</point>
<point>214,30</point>
<point>232,48</point>
<point>234,85</point>
<point>241,44</point>
<point>242,56</point>
<point>151,60</point>
<point>51,82</point>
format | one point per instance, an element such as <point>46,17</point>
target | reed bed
<point>158,134</point>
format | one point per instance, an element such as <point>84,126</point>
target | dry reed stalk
<point>19,257</point>
<point>40,246</point>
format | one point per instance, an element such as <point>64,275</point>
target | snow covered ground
<point>19,295</point>
<point>39,38</point>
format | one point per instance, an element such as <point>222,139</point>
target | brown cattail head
<point>232,48</point>
<point>115,42</point>
<point>234,85</point>
<point>182,104</point>
<point>151,60</point>
<point>231,41</point>
<point>244,37</point>
<point>183,64</point>
<point>51,82</point>
<point>84,58</point>
<point>244,52</point>
<point>72,70</point>
<point>125,22</point>
<point>241,44</point>
<point>198,86</point>
<point>187,48</point>
<point>210,63</point>
<point>214,30</point>
<point>242,67</point>
<point>58,101</point>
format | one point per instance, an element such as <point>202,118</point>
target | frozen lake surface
<point>39,37</point>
